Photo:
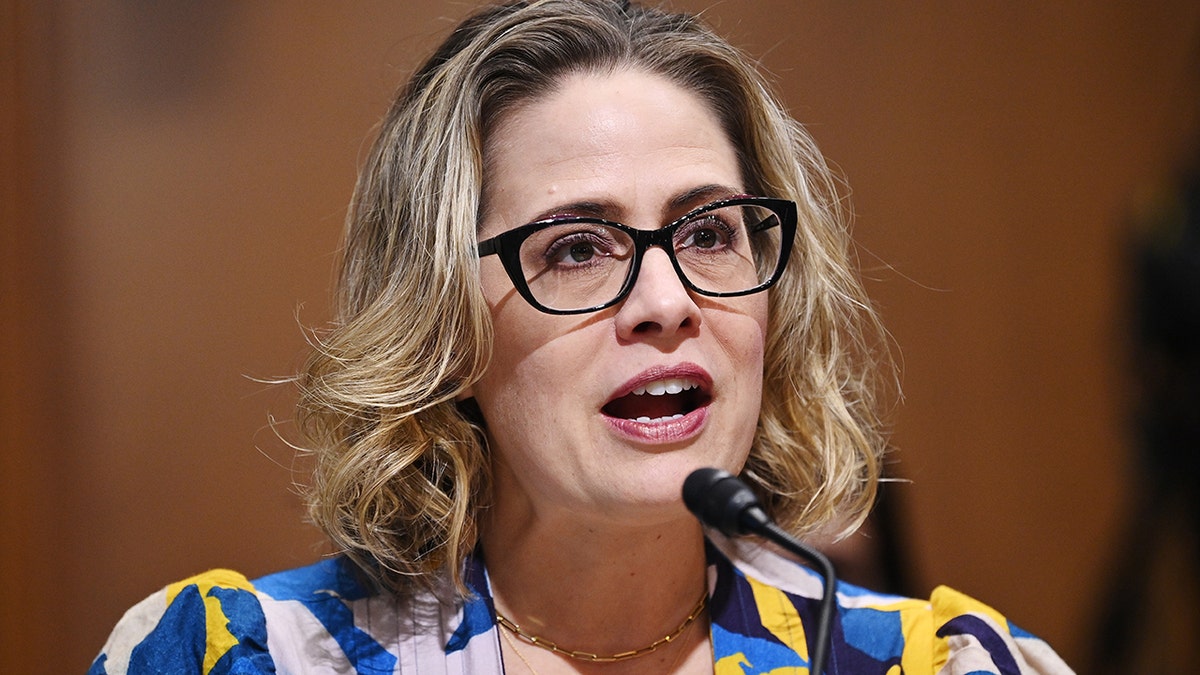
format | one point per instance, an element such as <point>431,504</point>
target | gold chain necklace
<point>542,642</point>
<point>533,671</point>
<point>513,643</point>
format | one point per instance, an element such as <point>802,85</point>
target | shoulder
<point>769,604</point>
<point>948,634</point>
<point>210,623</point>
<point>219,622</point>
<point>970,636</point>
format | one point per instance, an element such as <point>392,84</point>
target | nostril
<point>656,327</point>
<point>685,320</point>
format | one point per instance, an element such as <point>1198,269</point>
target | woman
<point>553,307</point>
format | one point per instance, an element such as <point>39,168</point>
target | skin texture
<point>586,503</point>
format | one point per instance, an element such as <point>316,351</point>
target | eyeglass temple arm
<point>488,247</point>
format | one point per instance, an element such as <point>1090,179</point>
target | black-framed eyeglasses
<point>574,265</point>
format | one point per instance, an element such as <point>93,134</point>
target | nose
<point>658,305</point>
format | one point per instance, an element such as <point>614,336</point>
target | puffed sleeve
<point>210,624</point>
<point>970,637</point>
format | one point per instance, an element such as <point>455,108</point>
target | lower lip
<point>667,431</point>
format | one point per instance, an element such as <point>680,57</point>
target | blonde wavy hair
<point>402,466</point>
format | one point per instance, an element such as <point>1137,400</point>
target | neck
<point>592,586</point>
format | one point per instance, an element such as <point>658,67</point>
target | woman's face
<point>563,395</point>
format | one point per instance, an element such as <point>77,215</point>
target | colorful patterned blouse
<point>321,619</point>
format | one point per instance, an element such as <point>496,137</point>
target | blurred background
<point>175,177</point>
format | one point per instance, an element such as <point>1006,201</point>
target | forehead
<point>627,136</point>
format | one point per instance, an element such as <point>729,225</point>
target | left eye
<point>704,239</point>
<point>705,234</point>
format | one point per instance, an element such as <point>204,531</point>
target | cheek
<point>743,333</point>
<point>501,382</point>
<point>742,337</point>
<point>512,326</point>
<point>530,400</point>
<point>527,368</point>
<point>497,288</point>
<point>499,394</point>
<point>750,364</point>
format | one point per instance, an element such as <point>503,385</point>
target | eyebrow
<point>701,194</point>
<point>585,208</point>
<point>606,210</point>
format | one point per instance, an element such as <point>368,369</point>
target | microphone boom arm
<point>723,502</point>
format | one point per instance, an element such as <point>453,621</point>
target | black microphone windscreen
<point>719,499</point>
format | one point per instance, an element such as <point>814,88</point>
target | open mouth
<point>658,401</point>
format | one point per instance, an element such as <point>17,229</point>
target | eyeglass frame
<point>507,245</point>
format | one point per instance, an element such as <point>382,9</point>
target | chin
<point>658,485</point>
<point>651,514</point>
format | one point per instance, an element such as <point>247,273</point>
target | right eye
<point>577,248</point>
<point>578,252</point>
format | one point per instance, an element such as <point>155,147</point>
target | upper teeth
<point>668,386</point>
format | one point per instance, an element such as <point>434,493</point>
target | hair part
<point>402,467</point>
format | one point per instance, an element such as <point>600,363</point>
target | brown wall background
<point>175,178</point>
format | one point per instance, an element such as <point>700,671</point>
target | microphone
<point>723,502</point>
